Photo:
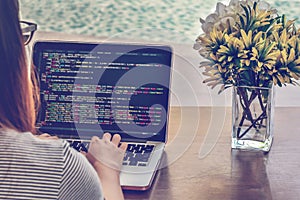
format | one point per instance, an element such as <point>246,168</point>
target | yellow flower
<point>247,38</point>
<point>248,43</point>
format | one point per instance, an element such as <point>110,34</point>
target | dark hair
<point>17,86</point>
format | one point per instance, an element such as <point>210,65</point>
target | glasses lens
<point>23,25</point>
<point>26,38</point>
<point>27,33</point>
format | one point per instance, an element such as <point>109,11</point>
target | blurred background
<point>153,20</point>
<point>175,22</point>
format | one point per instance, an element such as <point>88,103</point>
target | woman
<point>44,167</point>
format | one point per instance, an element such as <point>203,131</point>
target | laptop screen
<point>88,89</point>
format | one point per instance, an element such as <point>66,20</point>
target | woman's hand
<point>107,151</point>
<point>46,136</point>
<point>106,155</point>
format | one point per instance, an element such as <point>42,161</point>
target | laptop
<point>87,89</point>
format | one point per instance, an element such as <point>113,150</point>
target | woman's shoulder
<point>54,158</point>
<point>28,142</point>
<point>30,147</point>
<point>24,140</point>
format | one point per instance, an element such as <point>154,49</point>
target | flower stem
<point>242,92</point>
<point>247,114</point>
<point>261,117</point>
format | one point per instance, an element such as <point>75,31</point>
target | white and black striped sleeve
<point>79,179</point>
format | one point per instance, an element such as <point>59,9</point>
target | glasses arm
<point>30,28</point>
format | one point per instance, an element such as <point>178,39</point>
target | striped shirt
<point>32,168</point>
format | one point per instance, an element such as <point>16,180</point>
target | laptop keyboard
<point>135,155</point>
<point>138,154</point>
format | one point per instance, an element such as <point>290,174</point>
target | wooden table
<point>199,163</point>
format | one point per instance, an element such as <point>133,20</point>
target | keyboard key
<point>133,162</point>
<point>83,147</point>
<point>79,145</point>
<point>149,148</point>
<point>142,164</point>
<point>130,147</point>
<point>138,148</point>
<point>142,157</point>
<point>86,144</point>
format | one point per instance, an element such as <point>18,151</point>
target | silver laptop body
<point>88,89</point>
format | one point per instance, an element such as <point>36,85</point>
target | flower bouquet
<point>249,46</point>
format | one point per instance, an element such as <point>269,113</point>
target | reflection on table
<point>199,163</point>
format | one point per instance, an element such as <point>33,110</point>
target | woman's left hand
<point>46,136</point>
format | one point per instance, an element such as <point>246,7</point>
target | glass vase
<point>252,118</point>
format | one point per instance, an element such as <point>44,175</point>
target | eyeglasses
<point>28,29</point>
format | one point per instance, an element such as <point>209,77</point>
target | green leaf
<point>242,21</point>
<point>255,6</point>
<point>295,69</point>
<point>248,16</point>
